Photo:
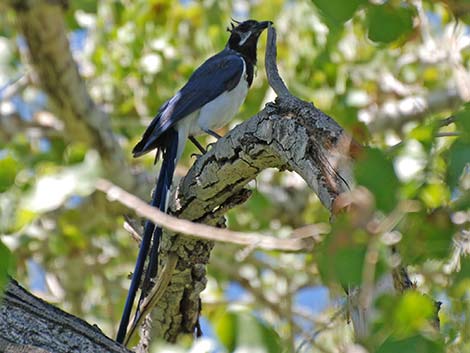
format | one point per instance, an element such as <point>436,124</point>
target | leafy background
<point>395,74</point>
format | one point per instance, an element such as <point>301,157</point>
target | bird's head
<point>244,36</point>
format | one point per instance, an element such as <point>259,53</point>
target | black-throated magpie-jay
<point>208,101</point>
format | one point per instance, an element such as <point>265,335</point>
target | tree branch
<point>42,25</point>
<point>287,134</point>
<point>205,232</point>
<point>272,73</point>
<point>30,325</point>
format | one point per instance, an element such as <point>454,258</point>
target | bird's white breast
<point>218,112</point>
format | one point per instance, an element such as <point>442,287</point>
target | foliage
<point>389,72</point>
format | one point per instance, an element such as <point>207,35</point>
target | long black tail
<point>159,199</point>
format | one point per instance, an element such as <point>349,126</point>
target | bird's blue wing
<point>218,74</point>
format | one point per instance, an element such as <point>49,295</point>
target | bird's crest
<point>234,24</point>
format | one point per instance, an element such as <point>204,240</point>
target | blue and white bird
<point>208,101</point>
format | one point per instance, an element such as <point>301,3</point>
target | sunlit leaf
<point>435,195</point>
<point>413,312</point>
<point>424,133</point>
<point>23,217</point>
<point>75,153</point>
<point>9,167</point>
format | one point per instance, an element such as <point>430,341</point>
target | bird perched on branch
<point>208,101</point>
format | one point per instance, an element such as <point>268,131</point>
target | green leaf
<point>458,158</point>
<point>426,236</point>
<point>462,120</point>
<point>240,329</point>
<point>387,23</point>
<point>413,312</point>
<point>6,265</point>
<point>9,167</point>
<point>338,11</point>
<point>415,344</point>
<point>435,195</point>
<point>425,133</point>
<point>375,172</point>
<point>341,256</point>
<point>402,317</point>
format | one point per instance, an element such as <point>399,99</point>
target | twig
<point>155,294</point>
<point>131,228</point>
<point>13,87</point>
<point>321,329</point>
<point>447,121</point>
<point>448,134</point>
<point>274,79</point>
<point>203,231</point>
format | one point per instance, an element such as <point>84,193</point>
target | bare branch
<point>275,80</point>
<point>203,231</point>
<point>449,134</point>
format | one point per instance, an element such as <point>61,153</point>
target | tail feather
<point>169,164</point>
<point>149,140</point>
<point>159,200</point>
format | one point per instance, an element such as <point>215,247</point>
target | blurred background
<point>394,74</point>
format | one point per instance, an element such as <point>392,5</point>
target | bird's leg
<point>213,133</point>
<point>197,144</point>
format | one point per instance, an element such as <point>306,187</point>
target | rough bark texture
<point>288,134</point>
<point>30,325</point>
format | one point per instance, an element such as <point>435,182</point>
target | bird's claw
<point>210,145</point>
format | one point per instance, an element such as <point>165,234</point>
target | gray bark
<point>30,325</point>
<point>288,134</point>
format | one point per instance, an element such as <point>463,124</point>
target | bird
<point>208,101</point>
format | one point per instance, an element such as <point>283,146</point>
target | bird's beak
<point>263,25</point>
